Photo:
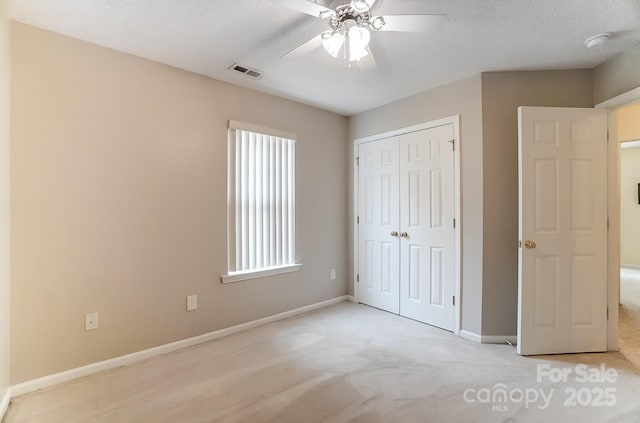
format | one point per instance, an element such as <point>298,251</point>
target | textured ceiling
<point>207,36</point>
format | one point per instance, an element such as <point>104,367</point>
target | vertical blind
<point>261,200</point>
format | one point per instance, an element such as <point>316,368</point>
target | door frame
<point>613,202</point>
<point>451,120</point>
<point>613,301</point>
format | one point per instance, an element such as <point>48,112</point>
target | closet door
<point>378,243</point>
<point>427,256</point>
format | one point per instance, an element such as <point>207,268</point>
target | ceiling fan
<point>351,24</point>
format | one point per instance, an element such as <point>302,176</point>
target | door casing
<point>452,120</point>
<point>613,200</point>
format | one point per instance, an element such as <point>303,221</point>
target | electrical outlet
<point>332,274</point>
<point>192,302</point>
<point>91,321</point>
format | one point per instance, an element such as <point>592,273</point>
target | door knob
<point>394,233</point>
<point>404,235</point>
<point>530,244</point>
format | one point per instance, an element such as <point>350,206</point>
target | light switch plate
<point>91,321</point>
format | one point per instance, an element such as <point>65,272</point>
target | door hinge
<point>357,161</point>
<point>453,144</point>
<point>454,223</point>
<point>519,244</point>
<point>358,220</point>
<point>358,277</point>
<point>454,300</point>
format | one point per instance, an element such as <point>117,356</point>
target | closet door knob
<point>394,233</point>
<point>404,235</point>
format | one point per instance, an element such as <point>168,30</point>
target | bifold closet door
<point>378,247</point>
<point>406,234</point>
<point>427,256</point>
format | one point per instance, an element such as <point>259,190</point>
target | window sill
<point>252,274</point>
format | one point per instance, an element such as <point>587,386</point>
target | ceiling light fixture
<point>597,40</point>
<point>350,23</point>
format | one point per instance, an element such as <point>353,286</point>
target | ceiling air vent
<point>250,72</point>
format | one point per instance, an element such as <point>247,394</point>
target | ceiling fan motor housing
<point>346,16</point>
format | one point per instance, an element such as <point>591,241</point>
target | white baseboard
<point>4,403</point>
<point>487,339</point>
<point>78,372</point>
<point>351,299</point>
<point>499,339</point>
<point>470,336</point>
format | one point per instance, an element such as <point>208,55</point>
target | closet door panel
<point>426,169</point>
<point>378,210</point>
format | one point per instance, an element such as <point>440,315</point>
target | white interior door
<point>563,230</point>
<point>378,243</point>
<point>427,256</point>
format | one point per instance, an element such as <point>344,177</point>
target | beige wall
<point>617,75</point>
<point>629,122</point>
<point>460,98</point>
<point>4,201</point>
<point>119,203</point>
<point>502,93</point>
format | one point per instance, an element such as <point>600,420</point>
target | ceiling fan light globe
<point>355,54</point>
<point>358,37</point>
<point>377,23</point>
<point>358,41</point>
<point>362,5</point>
<point>332,43</point>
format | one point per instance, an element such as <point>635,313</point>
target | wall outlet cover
<point>192,302</point>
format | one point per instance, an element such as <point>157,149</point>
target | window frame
<point>239,275</point>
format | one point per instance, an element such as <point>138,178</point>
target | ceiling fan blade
<point>309,7</point>
<point>414,23</point>
<point>368,62</point>
<point>304,48</point>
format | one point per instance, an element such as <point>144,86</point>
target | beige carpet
<point>345,363</point>
<point>630,315</point>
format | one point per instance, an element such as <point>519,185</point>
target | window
<point>261,202</point>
